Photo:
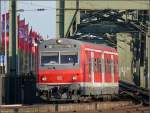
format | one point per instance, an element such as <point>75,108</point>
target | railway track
<point>134,108</point>
<point>113,106</point>
<point>139,94</point>
<point>75,107</point>
<point>119,106</point>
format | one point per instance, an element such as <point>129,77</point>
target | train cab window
<point>68,57</point>
<point>48,58</point>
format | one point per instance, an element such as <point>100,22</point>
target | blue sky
<point>43,22</point>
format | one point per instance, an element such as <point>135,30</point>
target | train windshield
<point>68,57</point>
<point>49,58</point>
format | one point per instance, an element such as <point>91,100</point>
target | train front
<point>59,69</point>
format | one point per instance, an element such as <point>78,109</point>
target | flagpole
<point>17,48</point>
<point>2,66</point>
<point>5,39</point>
<point>24,54</point>
<point>30,46</point>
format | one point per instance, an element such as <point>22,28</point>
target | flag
<point>30,40</point>
<point>30,36</point>
<point>21,27</point>
<point>26,38</point>
<point>21,33</point>
<point>3,30</point>
<point>34,36</point>
<point>7,24</point>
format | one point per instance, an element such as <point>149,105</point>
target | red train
<point>72,69</point>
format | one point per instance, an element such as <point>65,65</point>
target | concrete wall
<point>114,4</point>
<point>127,71</point>
<point>148,56</point>
<point>125,56</point>
<point>68,17</point>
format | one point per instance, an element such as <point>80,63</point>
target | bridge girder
<point>109,4</point>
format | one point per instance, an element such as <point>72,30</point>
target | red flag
<point>33,49</point>
<point>21,29</point>
<point>3,30</point>
<point>7,29</point>
<point>30,36</point>
<point>30,40</point>
<point>21,33</point>
<point>18,19</point>
<point>26,39</point>
<point>7,24</point>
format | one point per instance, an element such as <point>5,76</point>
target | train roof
<point>65,41</point>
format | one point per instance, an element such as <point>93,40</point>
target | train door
<point>92,67</point>
<point>87,67</point>
<point>108,77</point>
<point>116,70</point>
<point>112,68</point>
<point>89,72</point>
<point>103,67</point>
<point>97,67</point>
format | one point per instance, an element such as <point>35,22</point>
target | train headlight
<point>58,41</point>
<point>44,78</point>
<point>74,77</point>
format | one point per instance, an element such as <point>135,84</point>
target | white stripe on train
<point>86,84</point>
<point>100,51</point>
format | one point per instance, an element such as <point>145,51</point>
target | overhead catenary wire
<point>38,9</point>
<point>34,4</point>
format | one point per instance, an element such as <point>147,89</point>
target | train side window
<point>105,65</point>
<point>109,65</point>
<point>116,66</point>
<point>95,69</point>
<point>86,58</point>
<point>89,65</point>
<point>99,64</point>
<point>96,65</point>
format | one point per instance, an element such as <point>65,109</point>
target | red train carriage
<point>70,69</point>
